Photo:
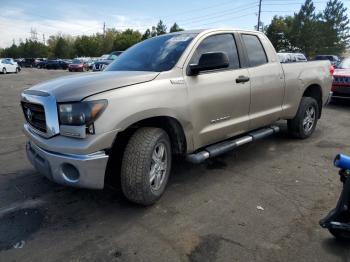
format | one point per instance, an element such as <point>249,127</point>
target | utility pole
<point>104,28</point>
<point>258,26</point>
<point>33,34</point>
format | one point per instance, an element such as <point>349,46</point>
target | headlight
<point>81,113</point>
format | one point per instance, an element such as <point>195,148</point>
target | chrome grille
<point>35,115</point>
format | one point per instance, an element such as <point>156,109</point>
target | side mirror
<point>209,61</point>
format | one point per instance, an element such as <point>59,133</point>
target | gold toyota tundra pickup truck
<point>192,93</point>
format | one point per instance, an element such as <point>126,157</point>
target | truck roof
<point>198,31</point>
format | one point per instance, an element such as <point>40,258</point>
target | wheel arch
<point>315,91</point>
<point>170,125</point>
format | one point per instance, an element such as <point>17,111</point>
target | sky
<point>48,17</point>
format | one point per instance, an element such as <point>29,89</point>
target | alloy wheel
<point>158,168</point>
<point>309,119</point>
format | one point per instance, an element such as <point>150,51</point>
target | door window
<point>255,50</point>
<point>224,43</point>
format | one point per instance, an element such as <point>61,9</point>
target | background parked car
<point>8,67</point>
<point>332,58</point>
<point>41,64</point>
<point>78,65</point>
<point>11,60</point>
<point>56,64</point>
<point>102,64</point>
<point>37,61</point>
<point>291,57</point>
<point>27,62</point>
<point>341,80</point>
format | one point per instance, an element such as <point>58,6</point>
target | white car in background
<point>8,66</point>
<point>291,57</point>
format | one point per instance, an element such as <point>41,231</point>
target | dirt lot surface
<point>208,213</point>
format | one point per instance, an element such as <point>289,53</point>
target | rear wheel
<point>4,71</point>
<point>146,165</point>
<point>305,121</point>
<point>17,70</point>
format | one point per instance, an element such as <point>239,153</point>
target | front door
<point>218,105</point>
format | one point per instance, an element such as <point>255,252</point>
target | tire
<point>4,71</point>
<point>17,70</point>
<point>304,123</point>
<point>145,169</point>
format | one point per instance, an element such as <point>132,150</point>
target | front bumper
<point>341,91</point>
<point>86,171</point>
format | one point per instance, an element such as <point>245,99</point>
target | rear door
<point>266,80</point>
<point>218,105</point>
<point>9,67</point>
<point>12,66</point>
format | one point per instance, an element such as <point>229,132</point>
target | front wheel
<point>304,123</point>
<point>146,165</point>
<point>4,71</point>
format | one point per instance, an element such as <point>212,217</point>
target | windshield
<point>76,61</point>
<point>155,54</point>
<point>112,57</point>
<point>345,64</point>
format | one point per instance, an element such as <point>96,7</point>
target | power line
<point>215,15</point>
<point>225,19</point>
<point>200,9</point>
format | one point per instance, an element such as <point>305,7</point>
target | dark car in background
<point>78,65</point>
<point>341,80</point>
<point>335,60</point>
<point>41,64</point>
<point>38,61</point>
<point>27,62</point>
<point>102,64</point>
<point>56,64</point>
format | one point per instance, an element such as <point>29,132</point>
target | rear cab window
<point>255,51</point>
<point>224,43</point>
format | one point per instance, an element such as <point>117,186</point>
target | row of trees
<point>312,33</point>
<point>65,46</point>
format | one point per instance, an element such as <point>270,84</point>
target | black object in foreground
<point>338,220</point>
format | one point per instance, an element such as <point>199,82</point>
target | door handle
<point>242,79</point>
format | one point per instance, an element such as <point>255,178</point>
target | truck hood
<point>342,72</point>
<point>76,88</point>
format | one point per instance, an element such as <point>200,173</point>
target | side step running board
<point>228,145</point>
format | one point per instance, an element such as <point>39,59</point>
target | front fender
<point>159,112</point>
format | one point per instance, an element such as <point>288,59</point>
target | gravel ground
<point>208,213</point>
